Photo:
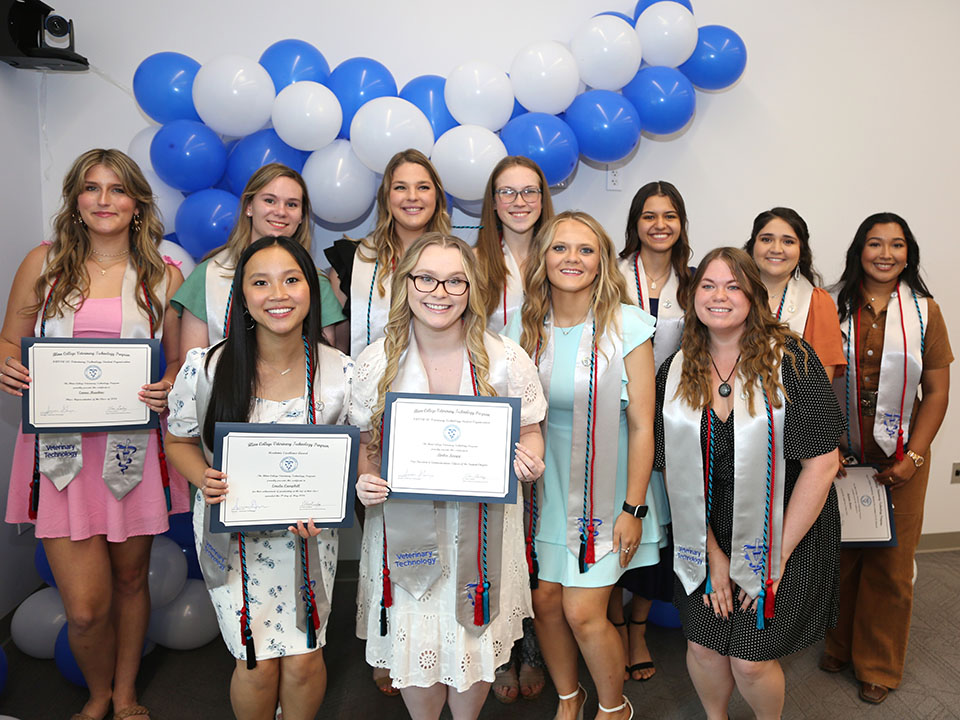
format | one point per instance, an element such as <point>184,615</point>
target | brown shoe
<point>829,663</point>
<point>871,693</point>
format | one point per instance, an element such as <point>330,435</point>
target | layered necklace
<point>112,259</point>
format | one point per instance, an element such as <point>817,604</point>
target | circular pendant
<point>724,390</point>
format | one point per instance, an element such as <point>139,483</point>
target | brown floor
<point>188,685</point>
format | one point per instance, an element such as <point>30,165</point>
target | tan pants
<point>876,594</point>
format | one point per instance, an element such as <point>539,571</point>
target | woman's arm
<point>188,459</point>
<point>371,488</point>
<point>193,333</point>
<point>155,395</point>
<point>19,324</point>
<point>528,462</point>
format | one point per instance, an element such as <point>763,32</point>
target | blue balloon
<point>290,61</point>
<point>545,139</point>
<point>644,4</point>
<point>605,123</point>
<point>357,81</point>
<point>426,92</point>
<point>664,98</point>
<point>259,149</point>
<point>193,563</point>
<point>43,566</point>
<point>205,219</point>
<point>518,109</point>
<point>181,529</point>
<point>664,614</point>
<point>163,87</point>
<point>629,20</point>
<point>3,670</point>
<point>188,155</point>
<point>718,60</point>
<point>66,662</point>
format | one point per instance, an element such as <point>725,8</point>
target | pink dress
<point>86,507</point>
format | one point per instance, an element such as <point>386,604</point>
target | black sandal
<point>647,664</point>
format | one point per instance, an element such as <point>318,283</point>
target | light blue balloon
<point>256,150</point>
<point>664,98</point>
<point>205,219</point>
<point>163,86</point>
<point>188,155</point>
<point>66,662</point>
<point>357,81</point>
<point>290,61</point>
<point>606,125</point>
<point>719,59</point>
<point>426,92</point>
<point>644,4</point>
<point>545,139</point>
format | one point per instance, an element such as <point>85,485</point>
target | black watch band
<point>638,511</point>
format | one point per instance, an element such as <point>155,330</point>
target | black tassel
<point>535,575</point>
<point>311,634</point>
<point>383,621</point>
<point>583,555</point>
<point>251,652</point>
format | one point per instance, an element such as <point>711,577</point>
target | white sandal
<point>572,695</point>
<point>626,703</point>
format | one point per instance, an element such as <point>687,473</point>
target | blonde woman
<point>417,622</point>
<point>101,277</point>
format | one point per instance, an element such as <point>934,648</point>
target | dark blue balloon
<point>518,109</point>
<point>644,4</point>
<point>163,86</point>
<point>426,92</point>
<point>3,670</point>
<point>181,529</point>
<point>188,155</point>
<point>42,565</point>
<point>664,98</point>
<point>718,60</point>
<point>664,614</point>
<point>606,125</point>
<point>259,149</point>
<point>629,20</point>
<point>357,81</point>
<point>205,219</point>
<point>66,662</point>
<point>193,563</point>
<point>290,61</point>
<point>545,139</point>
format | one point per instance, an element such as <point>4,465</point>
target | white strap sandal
<point>625,704</point>
<point>576,693</point>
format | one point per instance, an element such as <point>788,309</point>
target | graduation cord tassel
<point>34,504</point>
<point>533,567</point>
<point>245,632</point>
<point>903,392</point>
<point>161,454</point>
<point>229,313</point>
<point>636,277</point>
<point>765,598</point>
<point>309,598</point>
<point>587,549</point>
<point>481,599</point>
<point>376,266</point>
<point>708,488</point>
<point>386,595</point>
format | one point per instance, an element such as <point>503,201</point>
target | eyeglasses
<point>452,286</point>
<point>508,195</point>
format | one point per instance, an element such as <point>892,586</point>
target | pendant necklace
<point>724,388</point>
<point>653,283</point>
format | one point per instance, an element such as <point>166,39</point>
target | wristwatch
<point>917,459</point>
<point>638,511</point>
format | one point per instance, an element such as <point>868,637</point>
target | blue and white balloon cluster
<point>223,120</point>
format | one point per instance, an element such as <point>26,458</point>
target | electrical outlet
<point>955,475</point>
<point>613,179</point>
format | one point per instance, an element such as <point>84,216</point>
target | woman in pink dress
<point>101,277</point>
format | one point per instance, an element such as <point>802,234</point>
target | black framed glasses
<point>452,286</point>
<point>508,195</point>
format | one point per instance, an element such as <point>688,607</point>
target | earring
<point>136,224</point>
<point>252,323</point>
<point>77,219</point>
<point>796,272</point>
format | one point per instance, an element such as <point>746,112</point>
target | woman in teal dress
<point>592,517</point>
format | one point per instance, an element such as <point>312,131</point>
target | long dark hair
<point>680,252</point>
<point>799,226</point>
<point>849,295</point>
<point>235,383</point>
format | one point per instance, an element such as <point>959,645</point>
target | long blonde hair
<point>609,290</point>
<point>70,249</point>
<point>397,331</point>
<point>762,345</point>
<point>382,244</point>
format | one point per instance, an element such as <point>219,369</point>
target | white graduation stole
<point>369,311</point>
<point>795,304</point>
<point>511,298</point>
<point>666,339</point>
<point>218,285</point>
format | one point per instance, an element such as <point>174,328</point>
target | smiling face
<point>573,258</point>
<point>776,250</point>
<point>659,224</point>
<point>518,215</point>
<point>719,300</point>
<point>103,203</point>
<point>413,200</point>
<point>275,291</point>
<point>277,209</point>
<point>884,255</point>
<point>437,309</point>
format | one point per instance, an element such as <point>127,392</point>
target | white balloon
<point>168,571</point>
<point>668,34</point>
<point>233,94</point>
<point>167,198</point>
<point>464,157</point>
<point>177,253</point>
<point>607,52</point>
<point>384,126</point>
<point>341,187</point>
<point>37,622</point>
<point>139,147</point>
<point>187,622</point>
<point>479,93</point>
<point>545,77</point>
<point>307,115</point>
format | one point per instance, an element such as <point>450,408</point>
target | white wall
<point>845,109</point>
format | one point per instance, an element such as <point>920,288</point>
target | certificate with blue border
<point>450,447</point>
<point>88,385</point>
<point>278,474</point>
<point>866,509</point>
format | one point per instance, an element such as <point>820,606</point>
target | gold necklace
<point>653,283</point>
<point>103,269</point>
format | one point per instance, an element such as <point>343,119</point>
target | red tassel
<point>529,558</point>
<point>243,625</point>
<point>768,601</point>
<point>314,615</point>
<point>478,606</point>
<point>590,557</point>
<point>900,444</point>
<point>387,590</point>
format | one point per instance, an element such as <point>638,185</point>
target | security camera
<point>24,25</point>
<point>57,25</point>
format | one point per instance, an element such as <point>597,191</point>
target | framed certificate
<point>80,385</point>
<point>450,447</point>
<point>278,474</point>
<point>866,511</point>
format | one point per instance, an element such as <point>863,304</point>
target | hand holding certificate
<point>866,515</point>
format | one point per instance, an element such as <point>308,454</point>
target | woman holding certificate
<point>271,589</point>
<point>896,343</point>
<point>746,432</point>
<point>97,498</point>
<point>593,517</point>
<point>443,586</point>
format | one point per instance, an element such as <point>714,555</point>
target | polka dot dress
<point>806,601</point>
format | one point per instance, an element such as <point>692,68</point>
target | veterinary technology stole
<point>369,311</point>
<point>669,313</point>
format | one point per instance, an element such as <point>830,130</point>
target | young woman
<point>274,203</point>
<point>780,245</point>
<point>101,277</point>
<point>273,367</point>
<point>746,432</point>
<point>410,202</point>
<point>516,204</point>
<point>419,623</point>
<point>895,341</point>
<point>591,519</point>
<point>654,262</point>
